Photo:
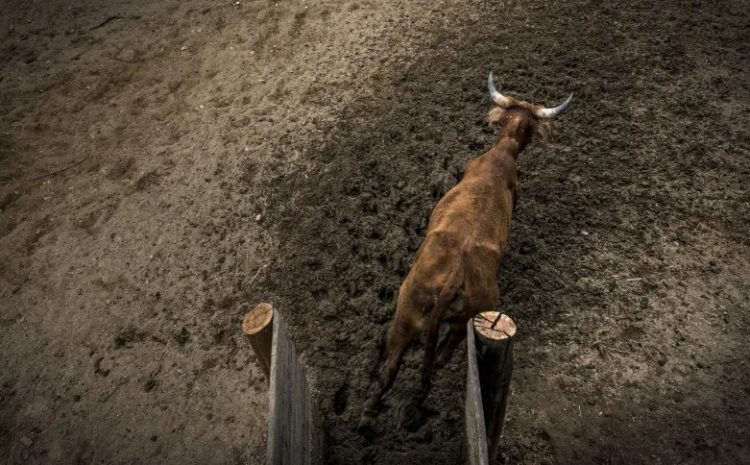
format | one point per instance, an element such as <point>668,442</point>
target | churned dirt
<point>164,165</point>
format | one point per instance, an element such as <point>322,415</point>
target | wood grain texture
<point>294,433</point>
<point>494,358</point>
<point>258,328</point>
<point>476,437</point>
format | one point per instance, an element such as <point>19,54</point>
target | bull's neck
<point>514,138</point>
<point>507,146</point>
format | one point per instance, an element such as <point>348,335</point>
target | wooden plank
<point>293,424</point>
<point>476,437</point>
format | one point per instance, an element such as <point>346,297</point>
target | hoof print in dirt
<point>128,337</point>
<point>101,370</point>
<point>424,437</point>
<point>340,399</point>
<point>150,385</point>
<point>366,429</point>
<point>412,416</point>
<point>182,337</point>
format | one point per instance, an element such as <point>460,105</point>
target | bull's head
<point>532,117</point>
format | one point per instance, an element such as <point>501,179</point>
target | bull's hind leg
<point>400,337</point>
<point>412,413</point>
<point>453,339</point>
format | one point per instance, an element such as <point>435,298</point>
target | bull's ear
<point>545,130</point>
<point>495,117</point>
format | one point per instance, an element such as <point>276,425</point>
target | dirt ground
<point>163,165</point>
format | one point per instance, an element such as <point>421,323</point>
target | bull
<point>454,275</point>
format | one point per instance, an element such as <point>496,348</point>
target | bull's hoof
<point>366,428</point>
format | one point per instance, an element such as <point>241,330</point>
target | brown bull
<point>454,276</point>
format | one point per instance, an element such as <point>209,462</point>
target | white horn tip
<point>496,96</point>
<point>552,112</point>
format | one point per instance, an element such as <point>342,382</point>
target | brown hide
<point>454,275</point>
<point>466,237</point>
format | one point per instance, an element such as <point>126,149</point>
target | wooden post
<point>494,354</point>
<point>258,327</point>
<point>476,436</point>
<point>294,426</point>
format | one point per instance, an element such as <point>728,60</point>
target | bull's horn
<point>498,98</point>
<point>546,113</point>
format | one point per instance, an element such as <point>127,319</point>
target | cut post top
<point>505,327</point>
<point>257,319</point>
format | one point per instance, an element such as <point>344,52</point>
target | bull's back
<point>475,211</point>
<point>468,229</point>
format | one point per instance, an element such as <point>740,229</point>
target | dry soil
<point>163,165</point>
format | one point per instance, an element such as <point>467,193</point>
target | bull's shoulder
<point>473,186</point>
<point>470,197</point>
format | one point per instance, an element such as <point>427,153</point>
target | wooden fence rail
<point>294,429</point>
